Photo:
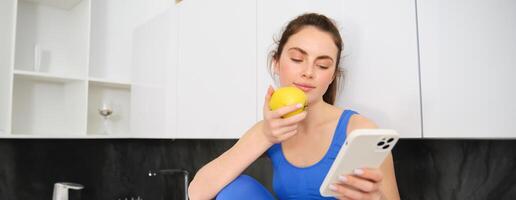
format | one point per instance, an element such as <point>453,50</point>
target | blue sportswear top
<point>291,182</point>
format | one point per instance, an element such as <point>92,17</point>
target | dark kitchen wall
<point>116,169</point>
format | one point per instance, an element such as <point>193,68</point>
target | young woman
<point>302,147</point>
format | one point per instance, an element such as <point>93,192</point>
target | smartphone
<point>364,148</point>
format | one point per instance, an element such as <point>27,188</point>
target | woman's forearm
<point>215,175</point>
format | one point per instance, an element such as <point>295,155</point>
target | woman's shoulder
<point>356,121</point>
<point>360,122</point>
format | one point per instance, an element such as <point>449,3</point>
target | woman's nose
<point>308,72</point>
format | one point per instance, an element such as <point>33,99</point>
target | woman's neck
<point>318,113</point>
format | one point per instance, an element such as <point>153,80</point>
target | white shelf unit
<point>46,106</point>
<point>51,39</point>
<point>117,97</point>
<point>7,26</point>
<point>45,76</point>
<point>48,87</point>
<point>62,4</point>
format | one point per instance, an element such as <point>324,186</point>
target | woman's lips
<point>304,87</point>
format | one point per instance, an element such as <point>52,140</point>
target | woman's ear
<point>275,67</point>
<point>336,73</point>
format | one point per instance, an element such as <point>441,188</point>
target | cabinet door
<point>216,91</point>
<point>467,68</point>
<point>153,93</point>
<point>379,58</point>
<point>7,19</point>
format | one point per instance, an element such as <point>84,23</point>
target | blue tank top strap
<point>340,134</point>
<point>273,149</point>
<point>341,129</point>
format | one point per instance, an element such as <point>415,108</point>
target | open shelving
<point>50,83</point>
<point>111,96</point>
<point>48,106</point>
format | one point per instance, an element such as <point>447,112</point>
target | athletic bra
<point>291,182</point>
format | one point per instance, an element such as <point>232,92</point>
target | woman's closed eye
<point>297,60</point>
<point>323,66</point>
<point>324,63</point>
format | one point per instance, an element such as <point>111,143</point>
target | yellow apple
<point>287,96</point>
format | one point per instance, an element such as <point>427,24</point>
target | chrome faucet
<point>61,190</point>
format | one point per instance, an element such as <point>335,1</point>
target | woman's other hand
<point>362,184</point>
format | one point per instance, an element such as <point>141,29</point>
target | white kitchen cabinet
<point>154,77</point>
<point>111,22</point>
<point>49,84</point>
<point>216,74</point>
<point>467,68</point>
<point>380,56</point>
<point>7,24</point>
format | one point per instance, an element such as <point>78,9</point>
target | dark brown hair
<point>322,23</point>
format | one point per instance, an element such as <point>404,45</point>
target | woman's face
<point>308,61</point>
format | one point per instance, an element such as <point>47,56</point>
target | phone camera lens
<point>386,147</point>
<point>380,143</point>
<point>390,140</point>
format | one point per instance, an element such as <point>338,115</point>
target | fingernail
<point>343,179</point>
<point>358,171</point>
<point>299,105</point>
<point>333,187</point>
